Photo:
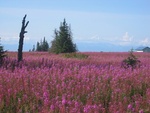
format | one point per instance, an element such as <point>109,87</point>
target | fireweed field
<point>91,82</point>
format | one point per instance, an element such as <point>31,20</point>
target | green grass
<point>75,55</point>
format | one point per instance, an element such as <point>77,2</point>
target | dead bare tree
<point>20,47</point>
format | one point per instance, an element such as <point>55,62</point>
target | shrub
<point>131,61</point>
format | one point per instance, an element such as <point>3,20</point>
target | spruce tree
<point>42,46</point>
<point>45,45</point>
<point>53,42</point>
<point>62,42</point>
<point>38,48</point>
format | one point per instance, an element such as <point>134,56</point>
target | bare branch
<point>26,24</point>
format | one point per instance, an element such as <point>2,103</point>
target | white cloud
<point>126,39</point>
<point>9,37</point>
<point>95,38</point>
<point>12,39</point>
<point>88,39</point>
<point>145,42</point>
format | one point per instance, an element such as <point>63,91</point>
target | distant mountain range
<point>106,47</point>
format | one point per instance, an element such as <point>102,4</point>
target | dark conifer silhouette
<point>2,54</point>
<point>24,25</point>
<point>62,42</point>
<point>42,46</point>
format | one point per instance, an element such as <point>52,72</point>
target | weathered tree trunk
<point>20,47</point>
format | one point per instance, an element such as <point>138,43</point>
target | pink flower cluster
<point>48,83</point>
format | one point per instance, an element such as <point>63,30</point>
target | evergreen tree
<point>54,46</point>
<point>42,46</point>
<point>45,45</point>
<point>33,49</point>
<point>2,54</point>
<point>38,48</point>
<point>62,42</point>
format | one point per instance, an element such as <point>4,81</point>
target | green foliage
<point>42,46</point>
<point>131,61</point>
<point>2,54</point>
<point>62,42</point>
<point>75,55</point>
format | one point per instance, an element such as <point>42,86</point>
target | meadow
<point>94,82</point>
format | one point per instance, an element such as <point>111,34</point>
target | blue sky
<point>97,25</point>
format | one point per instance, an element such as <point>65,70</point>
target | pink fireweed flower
<point>45,94</point>
<point>85,110</point>
<point>64,101</point>
<point>45,97</point>
<point>52,107</point>
<point>141,111</point>
<point>130,107</point>
<point>46,101</point>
